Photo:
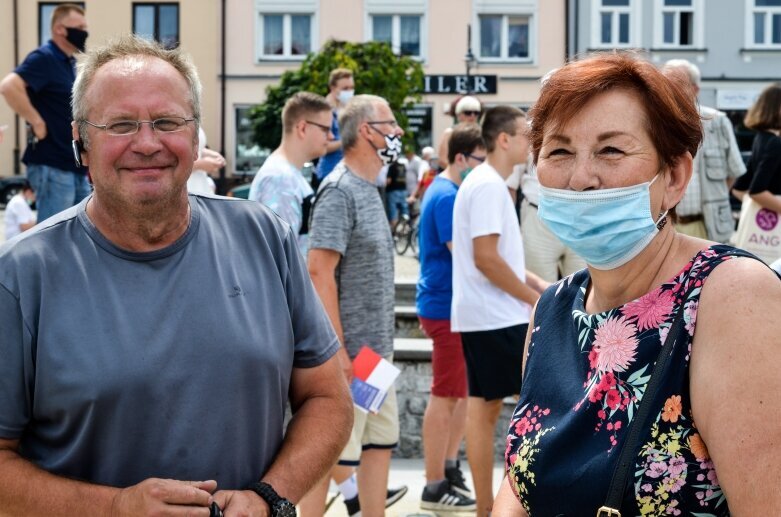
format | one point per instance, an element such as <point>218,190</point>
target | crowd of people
<point>575,259</point>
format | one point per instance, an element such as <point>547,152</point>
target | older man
<point>351,263</point>
<point>148,362</point>
<point>38,90</point>
<point>705,210</point>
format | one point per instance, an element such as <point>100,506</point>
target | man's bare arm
<point>321,425</point>
<point>14,89</point>
<point>28,490</point>
<point>492,265</point>
<point>322,264</point>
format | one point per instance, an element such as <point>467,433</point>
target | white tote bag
<point>759,231</point>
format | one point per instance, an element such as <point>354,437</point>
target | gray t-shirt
<point>118,366</point>
<point>349,217</point>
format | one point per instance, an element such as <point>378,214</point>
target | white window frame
<point>698,26</point>
<point>396,30</point>
<point>286,9</point>
<point>635,27</point>
<point>504,43</point>
<point>751,9</point>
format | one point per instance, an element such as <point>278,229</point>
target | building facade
<point>513,43</point>
<point>735,43</point>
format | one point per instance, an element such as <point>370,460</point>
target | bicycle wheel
<point>401,236</point>
<point>413,241</point>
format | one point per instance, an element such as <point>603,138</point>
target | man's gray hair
<point>123,47</point>
<point>357,111</point>
<point>692,70</point>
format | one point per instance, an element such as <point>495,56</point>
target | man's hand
<point>345,363</point>
<point>241,503</point>
<point>39,129</point>
<point>165,497</point>
<point>210,161</point>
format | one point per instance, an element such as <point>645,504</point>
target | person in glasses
<point>38,90</point>
<point>151,340</point>
<point>279,184</point>
<point>351,265</point>
<point>466,110</point>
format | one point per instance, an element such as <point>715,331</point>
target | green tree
<point>376,70</point>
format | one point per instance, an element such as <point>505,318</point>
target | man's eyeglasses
<point>392,123</point>
<point>470,113</point>
<point>131,127</point>
<point>480,159</point>
<point>326,129</point>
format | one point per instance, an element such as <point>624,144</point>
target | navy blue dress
<point>585,376</point>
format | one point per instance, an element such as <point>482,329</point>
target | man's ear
<point>79,152</point>
<point>678,176</point>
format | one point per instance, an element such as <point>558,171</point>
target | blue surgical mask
<point>344,96</point>
<point>607,227</point>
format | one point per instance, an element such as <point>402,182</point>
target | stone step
<point>406,322</point>
<point>412,349</point>
<point>405,293</point>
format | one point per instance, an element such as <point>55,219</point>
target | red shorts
<point>447,360</point>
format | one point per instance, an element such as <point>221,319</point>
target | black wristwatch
<point>280,507</point>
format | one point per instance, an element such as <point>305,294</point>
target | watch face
<point>284,509</point>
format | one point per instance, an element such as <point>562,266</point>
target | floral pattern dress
<point>585,376</point>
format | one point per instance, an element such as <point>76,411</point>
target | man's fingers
<point>209,485</point>
<point>184,492</point>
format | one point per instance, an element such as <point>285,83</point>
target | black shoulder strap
<point>618,483</point>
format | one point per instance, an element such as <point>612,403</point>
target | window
<point>45,19</point>
<point>400,31</point>
<point>765,23</point>
<point>613,23</point>
<point>504,37</point>
<point>249,155</point>
<point>678,23</point>
<point>157,21</point>
<point>286,36</point>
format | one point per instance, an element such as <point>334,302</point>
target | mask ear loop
<point>661,222</point>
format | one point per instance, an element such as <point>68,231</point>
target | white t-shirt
<point>483,207</point>
<point>199,181</point>
<point>17,212</point>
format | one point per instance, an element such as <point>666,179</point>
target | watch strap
<point>267,493</point>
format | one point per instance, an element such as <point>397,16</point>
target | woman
<point>758,229</point>
<point>763,180</point>
<point>613,141</point>
<point>466,110</point>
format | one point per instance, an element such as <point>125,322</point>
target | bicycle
<point>405,235</point>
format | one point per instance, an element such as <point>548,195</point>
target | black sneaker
<point>393,495</point>
<point>446,499</point>
<point>456,479</point>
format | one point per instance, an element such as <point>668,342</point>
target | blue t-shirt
<point>435,287</point>
<point>329,161</point>
<point>49,74</point>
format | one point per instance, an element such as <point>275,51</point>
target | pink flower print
<point>616,344</point>
<point>613,399</point>
<point>592,358</point>
<point>677,465</point>
<point>656,470</point>
<point>523,426</point>
<point>651,310</point>
<point>663,331</point>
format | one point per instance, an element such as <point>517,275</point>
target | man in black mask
<point>39,90</point>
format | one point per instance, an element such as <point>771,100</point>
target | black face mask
<point>76,37</point>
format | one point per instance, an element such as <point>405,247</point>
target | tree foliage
<point>376,70</point>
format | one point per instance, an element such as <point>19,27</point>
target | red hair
<point>674,124</point>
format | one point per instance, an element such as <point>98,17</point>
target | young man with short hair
<point>492,292</point>
<point>279,184</point>
<point>445,417</point>
<point>341,88</point>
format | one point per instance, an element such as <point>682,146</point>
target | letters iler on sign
<point>456,84</point>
